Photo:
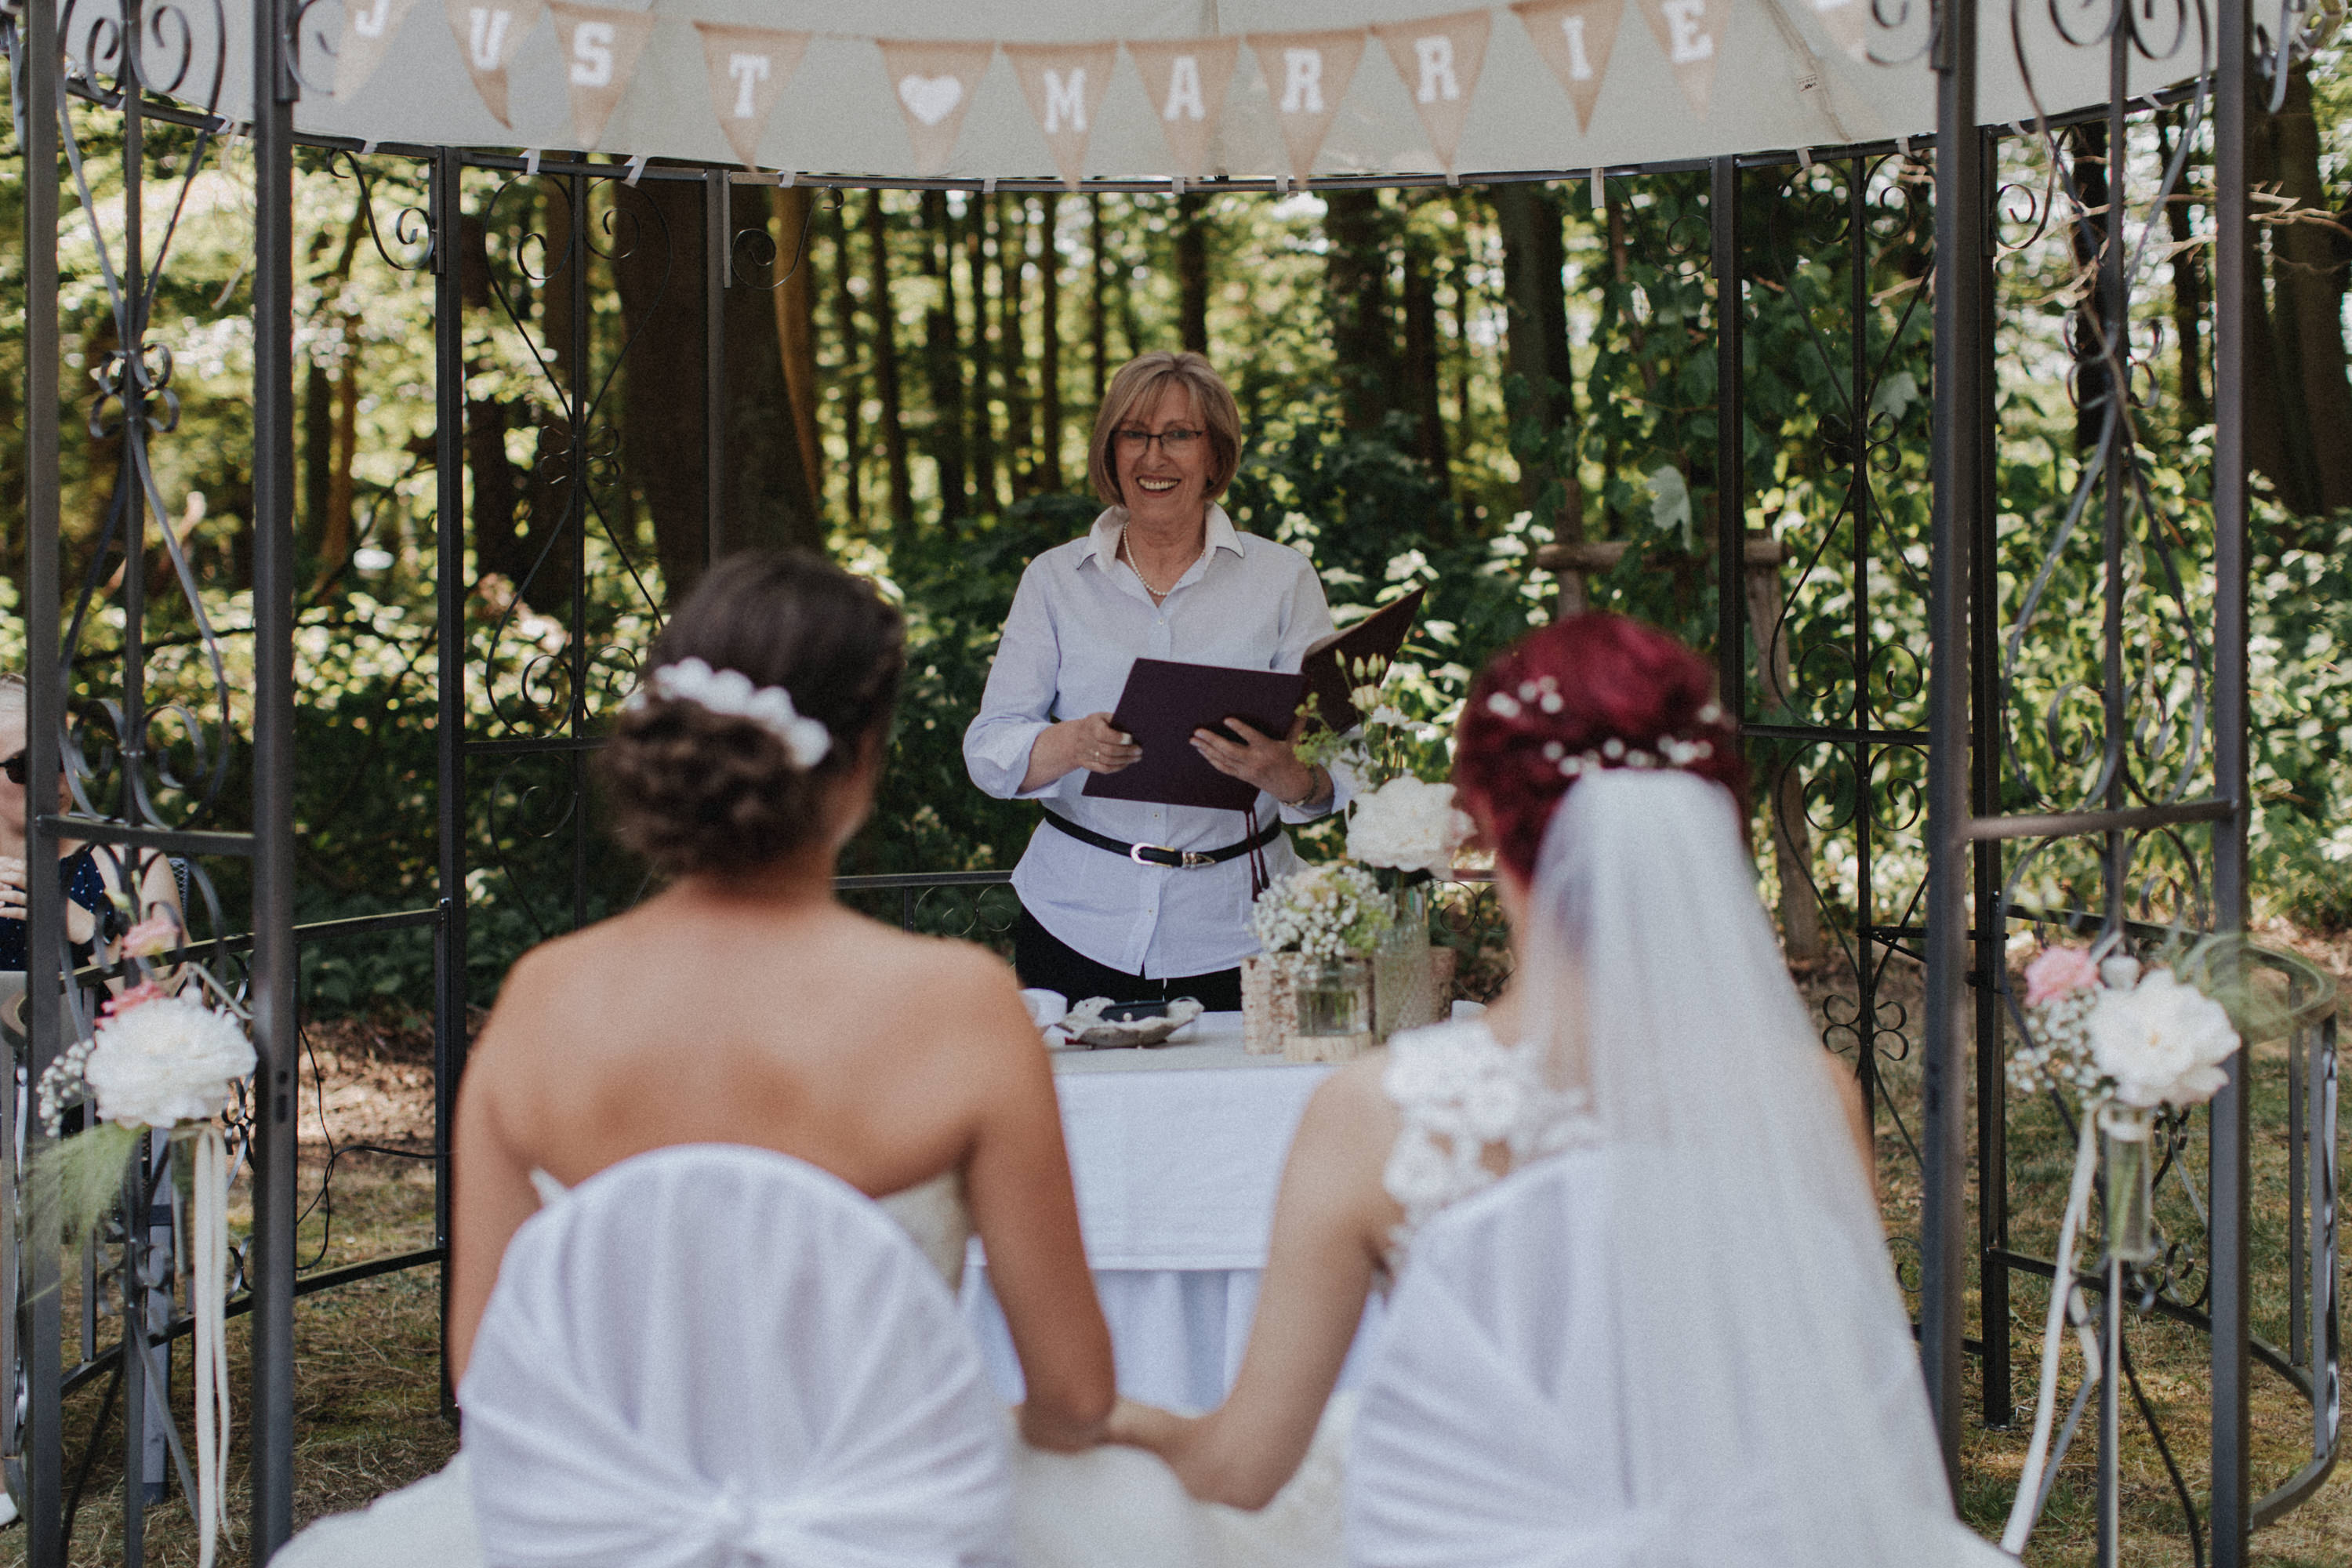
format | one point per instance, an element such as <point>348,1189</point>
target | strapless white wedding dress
<point>1461,1095</point>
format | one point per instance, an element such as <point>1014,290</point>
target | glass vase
<point>1330,997</point>
<point>2128,1144</point>
<point>1403,980</point>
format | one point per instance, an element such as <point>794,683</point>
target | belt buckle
<point>1194,859</point>
<point>1136,852</point>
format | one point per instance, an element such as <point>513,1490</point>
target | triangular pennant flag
<point>1689,34</point>
<point>1065,84</point>
<point>749,67</point>
<point>1440,60</point>
<point>600,53</point>
<point>1186,82</point>
<point>488,32</point>
<point>1306,74</point>
<point>1574,37</point>
<point>1847,22</point>
<point>369,28</point>
<point>933,84</point>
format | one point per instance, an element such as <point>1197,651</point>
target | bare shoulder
<point>1350,1116</point>
<point>954,982</point>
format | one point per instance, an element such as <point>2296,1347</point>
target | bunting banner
<point>934,83</point>
<point>1847,22</point>
<point>488,32</point>
<point>369,28</point>
<point>1574,37</point>
<point>1065,84</point>
<point>1687,32</point>
<point>749,67</point>
<point>601,49</point>
<point>1185,82</point>
<point>1440,60</point>
<point>1306,75</point>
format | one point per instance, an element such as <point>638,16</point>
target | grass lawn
<point>368,1401</point>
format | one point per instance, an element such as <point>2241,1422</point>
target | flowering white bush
<point>1323,912</point>
<point>1409,825</point>
<point>166,1061</point>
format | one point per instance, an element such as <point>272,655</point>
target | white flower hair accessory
<point>730,691</point>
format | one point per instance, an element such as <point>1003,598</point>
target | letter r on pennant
<point>1302,79</point>
<point>747,71</point>
<point>1065,100</point>
<point>1438,79</point>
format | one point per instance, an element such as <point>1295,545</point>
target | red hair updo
<point>1595,691</point>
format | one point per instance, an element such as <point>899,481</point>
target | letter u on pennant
<point>488,32</point>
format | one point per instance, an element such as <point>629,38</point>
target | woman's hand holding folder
<point>1093,742</point>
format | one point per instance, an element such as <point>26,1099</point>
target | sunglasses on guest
<point>17,766</point>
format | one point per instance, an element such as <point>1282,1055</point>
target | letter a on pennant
<point>1185,82</point>
<point>1065,84</point>
<point>1440,60</point>
<point>1574,37</point>
<point>1689,34</point>
<point>933,83</point>
<point>369,28</point>
<point>749,67</point>
<point>488,32</point>
<point>600,55</point>
<point>1306,74</point>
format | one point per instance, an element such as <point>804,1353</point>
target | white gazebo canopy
<point>1129,90</point>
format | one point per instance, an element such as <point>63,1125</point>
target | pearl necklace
<point>1135,565</point>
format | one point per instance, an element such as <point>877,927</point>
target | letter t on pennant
<point>748,67</point>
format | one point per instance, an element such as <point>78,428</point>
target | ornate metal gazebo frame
<point>2180,799</point>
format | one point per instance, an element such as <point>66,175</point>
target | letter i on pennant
<point>1440,60</point>
<point>1574,37</point>
<point>1689,35</point>
<point>1306,74</point>
<point>1065,84</point>
<point>749,67</point>
<point>1185,81</point>
<point>599,49</point>
<point>369,29</point>
<point>488,32</point>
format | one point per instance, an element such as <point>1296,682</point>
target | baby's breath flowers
<point>1324,911</point>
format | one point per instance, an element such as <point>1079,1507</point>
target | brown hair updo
<point>1595,691</point>
<point>695,791</point>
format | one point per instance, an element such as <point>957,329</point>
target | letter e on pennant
<point>1687,32</point>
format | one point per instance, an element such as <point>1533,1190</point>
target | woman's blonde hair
<point>1136,387</point>
<point>12,690</point>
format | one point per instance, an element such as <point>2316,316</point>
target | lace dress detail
<point>1474,1109</point>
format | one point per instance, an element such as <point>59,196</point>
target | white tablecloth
<point>1177,1153</point>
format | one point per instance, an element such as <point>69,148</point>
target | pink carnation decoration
<point>145,991</point>
<point>159,933</point>
<point>2059,972</point>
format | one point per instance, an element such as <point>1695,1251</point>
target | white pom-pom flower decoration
<point>2161,1042</point>
<point>166,1061</point>
<point>1409,825</point>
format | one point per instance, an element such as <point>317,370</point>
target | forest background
<point>1506,393</point>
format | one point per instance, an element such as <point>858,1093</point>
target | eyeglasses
<point>1174,442</point>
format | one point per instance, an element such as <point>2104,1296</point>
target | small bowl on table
<point>1099,1024</point>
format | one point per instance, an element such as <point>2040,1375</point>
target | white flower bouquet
<point>1409,826</point>
<point>1323,912</point>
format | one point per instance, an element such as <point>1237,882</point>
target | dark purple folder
<point>1165,702</point>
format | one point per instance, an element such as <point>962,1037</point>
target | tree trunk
<point>318,454</point>
<point>943,364</point>
<point>496,544</point>
<point>1422,374</point>
<point>892,410</point>
<point>1049,351</point>
<point>769,502</point>
<point>2086,151</point>
<point>977,211</point>
<point>1193,271</point>
<point>1535,263</point>
<point>1363,327</point>
<point>795,298</point>
<point>1792,842</point>
<point>2189,289</point>
<point>2277,440</point>
<point>658,280</point>
<point>1013,227</point>
<point>2308,292</point>
<point>846,378</point>
<point>1099,314</point>
<point>335,544</point>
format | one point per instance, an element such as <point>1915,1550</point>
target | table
<point>1177,1153</point>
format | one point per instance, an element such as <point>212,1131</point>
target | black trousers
<point>1045,961</point>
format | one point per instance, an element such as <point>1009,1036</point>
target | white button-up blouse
<point>1079,621</point>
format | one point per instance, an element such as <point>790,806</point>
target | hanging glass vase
<point>2128,1143</point>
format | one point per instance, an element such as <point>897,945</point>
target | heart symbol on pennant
<point>931,99</point>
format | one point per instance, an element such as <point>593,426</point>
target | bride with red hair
<point>1640,1303</point>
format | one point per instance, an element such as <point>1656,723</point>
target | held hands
<point>1263,761</point>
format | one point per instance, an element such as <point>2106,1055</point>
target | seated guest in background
<point>1115,898</point>
<point>93,883</point>
<point>744,1003</point>
<point>1704,1346</point>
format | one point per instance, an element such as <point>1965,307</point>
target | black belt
<point>1159,854</point>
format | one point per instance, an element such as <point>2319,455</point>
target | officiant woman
<point>1132,899</point>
